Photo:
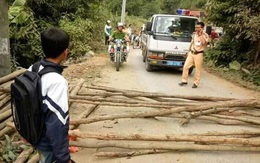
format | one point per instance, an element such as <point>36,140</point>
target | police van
<point>166,40</point>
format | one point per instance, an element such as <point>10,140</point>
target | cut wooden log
<point>10,124</point>
<point>3,124</point>
<point>23,157</point>
<point>76,89</point>
<point>232,103</point>
<point>211,111</point>
<point>131,93</point>
<point>118,116</point>
<point>175,146</point>
<point>3,96</point>
<point>127,104</point>
<point>176,138</point>
<point>215,133</point>
<point>107,94</point>
<point>125,101</point>
<point>85,114</point>
<point>221,121</point>
<point>4,101</point>
<point>6,90</point>
<point>5,131</point>
<point>5,115</point>
<point>110,89</point>
<point>243,119</point>
<point>7,85</point>
<point>250,112</point>
<point>162,112</point>
<point>34,159</point>
<point>11,76</point>
<point>163,99</point>
<point>130,153</point>
<point>5,108</point>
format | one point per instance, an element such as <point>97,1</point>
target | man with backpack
<point>53,143</point>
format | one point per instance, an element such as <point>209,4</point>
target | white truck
<point>166,40</point>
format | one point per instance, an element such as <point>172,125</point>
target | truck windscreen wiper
<point>173,36</point>
<point>162,33</point>
<point>167,33</point>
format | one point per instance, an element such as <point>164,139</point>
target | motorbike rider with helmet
<point>119,34</point>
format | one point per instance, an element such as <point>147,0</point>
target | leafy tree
<point>170,6</point>
<point>241,21</point>
<point>52,11</point>
<point>149,9</point>
<point>24,34</point>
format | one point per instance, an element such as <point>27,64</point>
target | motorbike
<point>118,52</point>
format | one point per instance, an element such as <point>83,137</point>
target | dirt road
<point>132,75</point>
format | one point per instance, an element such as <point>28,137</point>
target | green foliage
<point>235,65</point>
<point>241,20</point>
<point>241,41</point>
<point>80,32</point>
<point>224,52</point>
<point>84,20</point>
<point>170,6</point>
<point>52,11</point>
<point>10,152</point>
<point>253,76</point>
<point>24,35</point>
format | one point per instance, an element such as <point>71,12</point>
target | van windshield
<point>175,26</point>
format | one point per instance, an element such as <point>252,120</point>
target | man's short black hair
<point>54,41</point>
<point>201,24</point>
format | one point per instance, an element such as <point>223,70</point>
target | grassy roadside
<point>236,77</point>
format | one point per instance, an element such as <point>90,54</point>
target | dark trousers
<point>106,40</point>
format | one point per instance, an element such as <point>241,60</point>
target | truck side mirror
<point>148,26</point>
<point>150,32</point>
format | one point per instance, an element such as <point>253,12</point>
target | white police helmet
<point>120,24</point>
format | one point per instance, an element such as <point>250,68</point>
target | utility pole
<point>5,61</point>
<point>123,11</point>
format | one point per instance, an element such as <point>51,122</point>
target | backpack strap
<point>36,66</point>
<point>45,70</point>
<point>48,69</point>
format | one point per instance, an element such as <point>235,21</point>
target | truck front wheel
<point>148,67</point>
<point>144,56</point>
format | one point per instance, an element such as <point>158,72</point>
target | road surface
<point>132,75</point>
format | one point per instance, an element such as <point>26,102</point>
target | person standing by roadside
<point>195,55</point>
<point>130,32</point>
<point>107,30</point>
<point>54,143</point>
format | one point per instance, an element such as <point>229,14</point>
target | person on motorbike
<point>119,34</point>
<point>137,38</point>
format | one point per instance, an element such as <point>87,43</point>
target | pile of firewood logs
<point>224,111</point>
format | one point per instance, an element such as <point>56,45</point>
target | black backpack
<point>27,102</point>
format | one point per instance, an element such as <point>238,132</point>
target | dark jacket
<point>55,107</point>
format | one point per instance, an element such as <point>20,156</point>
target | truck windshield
<point>178,27</point>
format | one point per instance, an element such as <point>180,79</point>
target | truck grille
<point>176,58</point>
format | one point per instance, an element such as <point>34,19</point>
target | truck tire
<point>148,67</point>
<point>144,56</point>
<point>117,61</point>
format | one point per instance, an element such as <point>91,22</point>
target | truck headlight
<point>154,55</point>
